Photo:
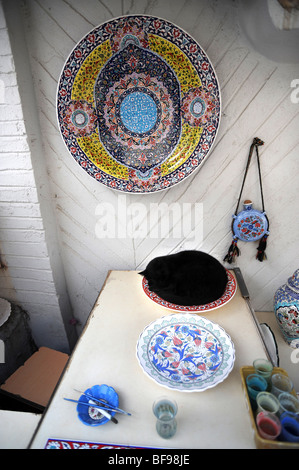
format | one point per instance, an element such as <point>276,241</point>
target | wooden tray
<point>260,442</point>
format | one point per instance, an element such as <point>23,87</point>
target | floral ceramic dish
<point>185,352</point>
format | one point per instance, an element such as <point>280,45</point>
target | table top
<point>106,354</point>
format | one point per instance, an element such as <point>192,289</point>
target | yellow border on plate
<point>83,89</point>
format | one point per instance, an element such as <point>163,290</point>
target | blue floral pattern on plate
<point>185,352</point>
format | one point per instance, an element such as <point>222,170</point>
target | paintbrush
<point>98,407</point>
<point>104,403</point>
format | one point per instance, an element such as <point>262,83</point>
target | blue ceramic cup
<point>289,428</point>
<point>255,383</point>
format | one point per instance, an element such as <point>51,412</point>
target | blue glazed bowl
<point>104,392</point>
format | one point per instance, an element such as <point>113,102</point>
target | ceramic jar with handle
<point>286,309</point>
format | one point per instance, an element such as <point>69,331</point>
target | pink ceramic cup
<point>268,425</point>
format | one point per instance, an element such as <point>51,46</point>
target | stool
<point>33,383</point>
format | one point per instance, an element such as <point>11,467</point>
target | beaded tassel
<point>233,251</point>
<point>261,255</point>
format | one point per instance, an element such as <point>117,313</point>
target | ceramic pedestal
<point>286,308</point>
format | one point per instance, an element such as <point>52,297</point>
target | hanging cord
<point>255,144</point>
<point>233,250</point>
<point>261,255</point>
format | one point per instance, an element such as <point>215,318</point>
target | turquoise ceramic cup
<point>255,383</point>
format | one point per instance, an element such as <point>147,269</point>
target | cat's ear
<point>143,273</point>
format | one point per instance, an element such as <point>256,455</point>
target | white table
<point>106,354</point>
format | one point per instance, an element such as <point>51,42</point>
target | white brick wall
<point>24,241</point>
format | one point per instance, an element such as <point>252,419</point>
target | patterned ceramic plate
<point>138,104</point>
<point>229,292</point>
<point>185,352</point>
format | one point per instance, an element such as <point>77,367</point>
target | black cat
<point>186,278</point>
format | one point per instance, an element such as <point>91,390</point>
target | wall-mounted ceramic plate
<point>138,104</point>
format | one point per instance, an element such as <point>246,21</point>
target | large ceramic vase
<point>286,308</point>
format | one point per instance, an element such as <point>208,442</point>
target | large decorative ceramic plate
<point>228,294</point>
<point>138,104</point>
<point>185,352</point>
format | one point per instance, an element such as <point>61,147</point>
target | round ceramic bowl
<point>91,416</point>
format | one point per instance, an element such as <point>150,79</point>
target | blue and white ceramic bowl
<point>286,309</point>
<point>91,416</point>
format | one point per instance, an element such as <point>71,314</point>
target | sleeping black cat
<point>186,278</point>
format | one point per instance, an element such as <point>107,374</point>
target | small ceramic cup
<point>280,383</point>
<point>264,368</point>
<point>289,428</point>
<point>255,383</point>
<point>268,403</point>
<point>268,425</point>
<point>288,404</point>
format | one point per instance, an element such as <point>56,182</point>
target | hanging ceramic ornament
<point>249,224</point>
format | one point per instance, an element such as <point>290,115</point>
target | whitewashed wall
<point>256,101</point>
<point>31,272</point>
